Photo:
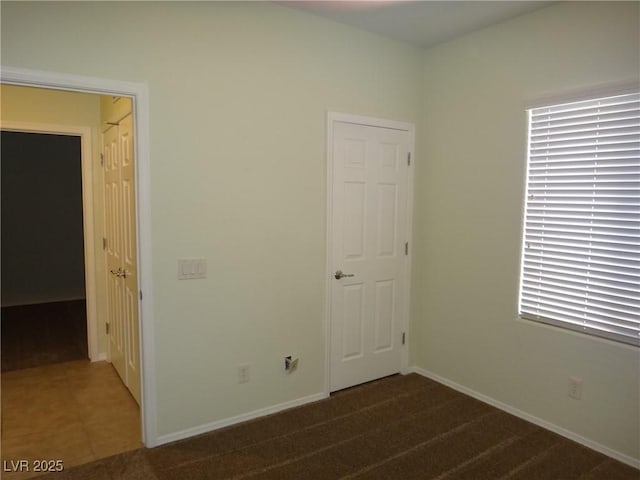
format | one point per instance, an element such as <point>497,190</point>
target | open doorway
<point>74,410</point>
<point>139,93</point>
<point>44,318</point>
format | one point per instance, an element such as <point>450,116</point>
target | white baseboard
<point>633,462</point>
<point>208,427</point>
<point>101,357</point>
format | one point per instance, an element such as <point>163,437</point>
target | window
<point>581,242</point>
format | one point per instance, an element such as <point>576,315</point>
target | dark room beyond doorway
<point>43,284</point>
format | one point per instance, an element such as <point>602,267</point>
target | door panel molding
<point>398,243</point>
<point>139,92</point>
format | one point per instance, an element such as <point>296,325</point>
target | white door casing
<point>368,230</point>
<point>140,94</point>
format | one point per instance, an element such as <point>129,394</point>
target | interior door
<point>369,220</point>
<point>113,235</point>
<point>129,256</point>
<point>121,252</point>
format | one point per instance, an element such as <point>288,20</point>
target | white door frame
<point>87,214</point>
<point>140,94</point>
<point>332,118</point>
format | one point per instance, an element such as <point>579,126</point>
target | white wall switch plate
<point>192,268</point>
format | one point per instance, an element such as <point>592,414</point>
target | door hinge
<point>409,158</point>
<point>104,243</point>
<point>404,338</point>
<point>140,294</point>
<point>406,248</point>
<point>102,159</point>
<point>107,327</point>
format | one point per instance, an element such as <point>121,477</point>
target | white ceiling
<point>421,23</point>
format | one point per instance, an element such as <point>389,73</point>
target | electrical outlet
<point>290,364</point>
<point>575,388</point>
<point>243,373</point>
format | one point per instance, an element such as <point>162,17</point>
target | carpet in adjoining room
<point>43,334</point>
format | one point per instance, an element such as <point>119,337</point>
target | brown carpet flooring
<point>401,427</point>
<point>42,334</point>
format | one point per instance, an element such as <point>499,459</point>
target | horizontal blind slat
<point>578,159</point>
<point>580,314</point>
<point>552,137</point>
<point>617,316</point>
<point>560,318</point>
<point>597,251</point>
<point>560,308</point>
<point>574,289</point>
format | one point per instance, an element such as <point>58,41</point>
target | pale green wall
<point>238,98</point>
<point>27,105</point>
<point>470,186</point>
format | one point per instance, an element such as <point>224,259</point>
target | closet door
<point>129,256</point>
<point>113,235</point>
<point>121,253</point>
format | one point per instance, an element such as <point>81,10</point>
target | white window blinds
<point>581,252</point>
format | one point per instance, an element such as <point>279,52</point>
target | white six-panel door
<point>369,230</point>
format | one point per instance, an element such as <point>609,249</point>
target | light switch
<point>192,268</point>
<point>200,268</point>
<point>184,268</point>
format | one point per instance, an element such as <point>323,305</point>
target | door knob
<point>119,273</point>
<point>340,275</point>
